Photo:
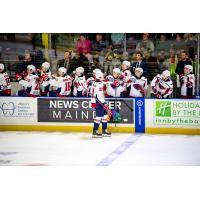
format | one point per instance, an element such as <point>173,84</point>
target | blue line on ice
<point>119,151</point>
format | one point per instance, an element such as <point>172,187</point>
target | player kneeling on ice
<point>113,84</point>
<point>60,84</point>
<point>79,83</point>
<point>100,105</point>
<point>162,85</point>
<point>90,81</point>
<point>137,85</point>
<point>125,76</point>
<point>44,78</point>
<point>187,82</point>
<point>29,82</point>
<point>5,87</point>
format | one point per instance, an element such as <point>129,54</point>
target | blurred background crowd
<point>100,50</point>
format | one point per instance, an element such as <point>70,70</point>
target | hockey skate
<point>96,134</point>
<point>106,133</point>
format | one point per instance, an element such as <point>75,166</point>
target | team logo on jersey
<point>8,109</point>
<point>163,108</point>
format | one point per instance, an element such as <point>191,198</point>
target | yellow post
<point>45,43</point>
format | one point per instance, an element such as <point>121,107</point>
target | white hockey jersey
<point>66,86</point>
<point>31,81</point>
<point>79,85</point>
<point>62,83</point>
<point>114,87</point>
<point>4,81</point>
<point>161,88</point>
<point>44,80</point>
<point>89,84</point>
<point>138,86</point>
<point>187,85</point>
<point>125,76</point>
<point>97,90</point>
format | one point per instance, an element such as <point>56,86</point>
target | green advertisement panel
<point>177,112</point>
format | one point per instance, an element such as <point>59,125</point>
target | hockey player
<point>113,84</point>
<point>60,85</point>
<point>99,104</point>
<point>44,77</point>
<point>137,84</point>
<point>90,81</point>
<point>162,85</point>
<point>30,83</point>
<point>80,88</point>
<point>125,76</point>
<point>187,81</point>
<point>5,87</point>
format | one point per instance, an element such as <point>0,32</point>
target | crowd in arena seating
<point>125,74</point>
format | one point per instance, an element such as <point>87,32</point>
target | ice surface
<point>79,149</point>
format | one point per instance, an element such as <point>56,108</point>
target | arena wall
<point>174,116</point>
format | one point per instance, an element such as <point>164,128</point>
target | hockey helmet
<point>127,63</point>
<point>46,65</point>
<point>2,67</point>
<point>188,67</point>
<point>31,68</point>
<point>139,69</point>
<point>80,70</point>
<point>165,74</point>
<point>116,70</point>
<point>99,75</point>
<point>96,71</point>
<point>62,70</point>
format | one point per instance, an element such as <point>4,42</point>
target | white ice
<point>64,149</point>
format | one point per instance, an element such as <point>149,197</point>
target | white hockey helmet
<point>127,63</point>
<point>99,75</point>
<point>46,65</point>
<point>31,67</point>
<point>139,69</point>
<point>189,67</point>
<point>80,70</point>
<point>2,67</point>
<point>166,74</point>
<point>62,70</point>
<point>116,70</point>
<point>96,71</point>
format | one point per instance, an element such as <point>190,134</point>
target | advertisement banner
<point>177,112</point>
<point>14,110</point>
<point>78,110</point>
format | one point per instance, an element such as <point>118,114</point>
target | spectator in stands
<point>163,46</point>
<point>98,44</point>
<point>191,45</point>
<point>179,44</point>
<point>139,63</point>
<point>77,61</point>
<point>18,65</point>
<point>117,39</point>
<point>184,60</point>
<point>38,58</point>
<point>145,45</point>
<point>1,59</point>
<point>83,46</point>
<point>67,62</point>
<point>27,61</point>
<point>110,63</point>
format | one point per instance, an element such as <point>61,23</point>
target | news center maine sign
<point>75,110</point>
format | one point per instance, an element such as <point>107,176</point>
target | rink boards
<point>178,116</point>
